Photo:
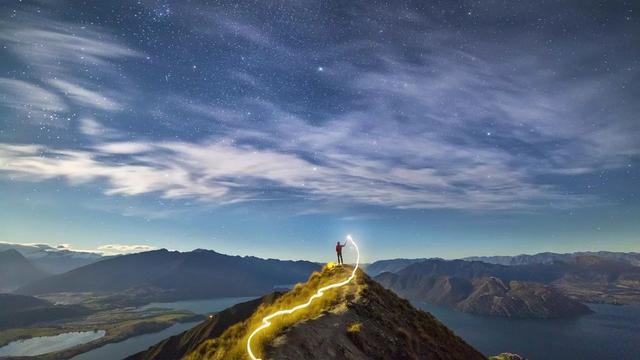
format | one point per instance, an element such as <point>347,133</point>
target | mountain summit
<point>361,320</point>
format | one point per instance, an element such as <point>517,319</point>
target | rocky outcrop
<point>507,356</point>
<point>375,325</point>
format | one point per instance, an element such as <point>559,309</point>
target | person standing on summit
<point>339,252</point>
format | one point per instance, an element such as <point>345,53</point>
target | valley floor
<point>118,323</point>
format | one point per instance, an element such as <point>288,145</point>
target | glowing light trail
<point>317,295</point>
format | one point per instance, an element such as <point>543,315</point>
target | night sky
<point>274,128</point>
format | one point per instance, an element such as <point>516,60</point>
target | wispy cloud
<point>85,96</point>
<point>51,46</point>
<point>118,249</point>
<point>94,129</point>
<point>68,64</point>
<point>34,102</point>
<point>224,172</point>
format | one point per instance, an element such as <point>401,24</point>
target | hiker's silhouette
<point>339,251</point>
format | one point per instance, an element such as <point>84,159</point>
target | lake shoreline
<point>118,325</point>
<point>146,328</point>
<point>40,345</point>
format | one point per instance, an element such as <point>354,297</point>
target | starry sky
<point>427,128</point>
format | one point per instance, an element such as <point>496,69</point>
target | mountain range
<point>395,265</point>
<point>171,275</point>
<point>53,260</point>
<point>631,258</point>
<point>535,290</point>
<point>540,289</point>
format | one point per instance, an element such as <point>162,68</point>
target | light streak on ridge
<point>265,321</point>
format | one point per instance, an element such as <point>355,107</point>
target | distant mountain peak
<point>53,260</point>
<point>16,270</point>
<point>205,251</point>
<point>11,254</point>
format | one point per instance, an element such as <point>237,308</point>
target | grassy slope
<point>232,343</point>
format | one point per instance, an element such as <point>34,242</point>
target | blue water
<point>612,332</point>
<point>202,307</point>
<point>133,345</point>
<point>46,344</point>
<point>136,344</point>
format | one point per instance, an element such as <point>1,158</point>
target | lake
<point>202,307</point>
<point>612,332</point>
<point>136,344</point>
<point>45,344</point>
<point>133,345</point>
